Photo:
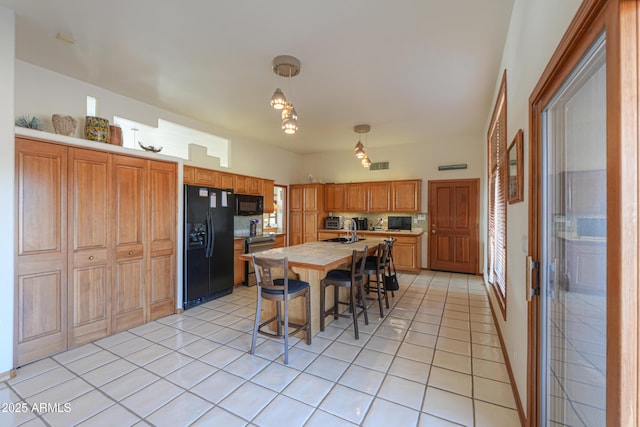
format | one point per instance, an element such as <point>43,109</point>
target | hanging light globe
<point>359,150</point>
<point>365,161</point>
<point>278,101</point>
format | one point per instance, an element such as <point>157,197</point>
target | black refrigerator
<point>208,246</point>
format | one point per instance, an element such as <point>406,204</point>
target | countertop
<point>413,232</point>
<point>318,255</point>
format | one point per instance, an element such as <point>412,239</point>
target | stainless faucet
<point>354,235</point>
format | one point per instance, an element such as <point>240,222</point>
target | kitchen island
<point>311,261</point>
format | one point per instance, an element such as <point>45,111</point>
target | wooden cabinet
<point>129,182</point>
<point>379,196</point>
<point>306,212</point>
<point>296,198</point>
<point>268,195</point>
<point>89,296</point>
<point>96,244</point>
<point>407,253</point>
<point>356,197</point>
<point>41,258</point>
<point>226,181</point>
<point>280,241</point>
<point>161,232</point>
<point>406,196</point>
<point>247,185</point>
<point>238,264</point>
<point>334,197</point>
<point>199,176</point>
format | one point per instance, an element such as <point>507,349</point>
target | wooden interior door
<point>129,301</point>
<point>90,244</point>
<point>41,261</point>
<point>453,230</point>
<point>162,239</point>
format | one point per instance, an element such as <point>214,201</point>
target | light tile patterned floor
<point>434,360</point>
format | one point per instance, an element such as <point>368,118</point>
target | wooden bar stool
<point>375,266</point>
<point>280,291</point>
<point>353,280</point>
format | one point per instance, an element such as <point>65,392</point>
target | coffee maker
<point>361,223</point>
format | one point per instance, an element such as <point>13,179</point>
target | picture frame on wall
<point>515,169</point>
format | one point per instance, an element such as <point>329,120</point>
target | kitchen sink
<point>341,240</point>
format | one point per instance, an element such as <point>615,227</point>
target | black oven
<point>247,205</point>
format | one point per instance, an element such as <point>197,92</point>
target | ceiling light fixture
<point>359,150</point>
<point>286,66</point>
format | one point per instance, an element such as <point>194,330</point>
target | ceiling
<point>417,71</point>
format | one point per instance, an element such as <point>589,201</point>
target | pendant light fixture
<point>359,150</point>
<point>286,66</point>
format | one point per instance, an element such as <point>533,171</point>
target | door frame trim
<point>621,19</point>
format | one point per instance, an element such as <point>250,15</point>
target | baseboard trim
<point>520,409</point>
<point>8,375</point>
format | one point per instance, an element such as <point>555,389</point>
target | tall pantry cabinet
<point>96,244</point>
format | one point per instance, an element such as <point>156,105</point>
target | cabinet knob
<point>91,258</point>
<point>433,231</point>
<point>130,252</point>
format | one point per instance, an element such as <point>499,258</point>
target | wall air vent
<point>379,166</point>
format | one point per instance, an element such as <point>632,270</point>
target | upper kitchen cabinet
<point>247,185</point>
<point>379,196</point>
<point>356,197</point>
<point>334,197</point>
<point>268,195</point>
<point>199,176</point>
<point>406,196</point>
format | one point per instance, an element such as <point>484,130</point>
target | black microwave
<point>247,205</point>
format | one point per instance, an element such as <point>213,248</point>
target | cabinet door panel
<point>334,194</point>
<point>89,305</point>
<point>310,198</point>
<point>162,274</point>
<point>296,198</point>
<point>129,308</point>
<point>129,295</point>
<point>89,241</point>
<point>406,196</point>
<point>41,319</point>
<point>356,197</point>
<point>379,196</point>
<point>295,229</point>
<point>41,261</point>
<point>310,227</point>
<point>162,286</point>
<point>129,177</point>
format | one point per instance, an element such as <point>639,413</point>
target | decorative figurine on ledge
<point>29,122</point>
<point>151,148</point>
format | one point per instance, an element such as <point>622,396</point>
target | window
<point>497,215</point>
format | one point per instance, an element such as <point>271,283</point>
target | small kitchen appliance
<point>333,223</point>
<point>361,223</point>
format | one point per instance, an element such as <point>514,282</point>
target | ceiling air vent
<point>379,166</point>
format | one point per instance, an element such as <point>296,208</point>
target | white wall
<point>411,161</point>
<point>7,55</point>
<point>535,30</point>
<point>41,92</point>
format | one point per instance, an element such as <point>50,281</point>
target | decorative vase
<point>96,129</point>
<point>115,137</point>
<point>64,125</point>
